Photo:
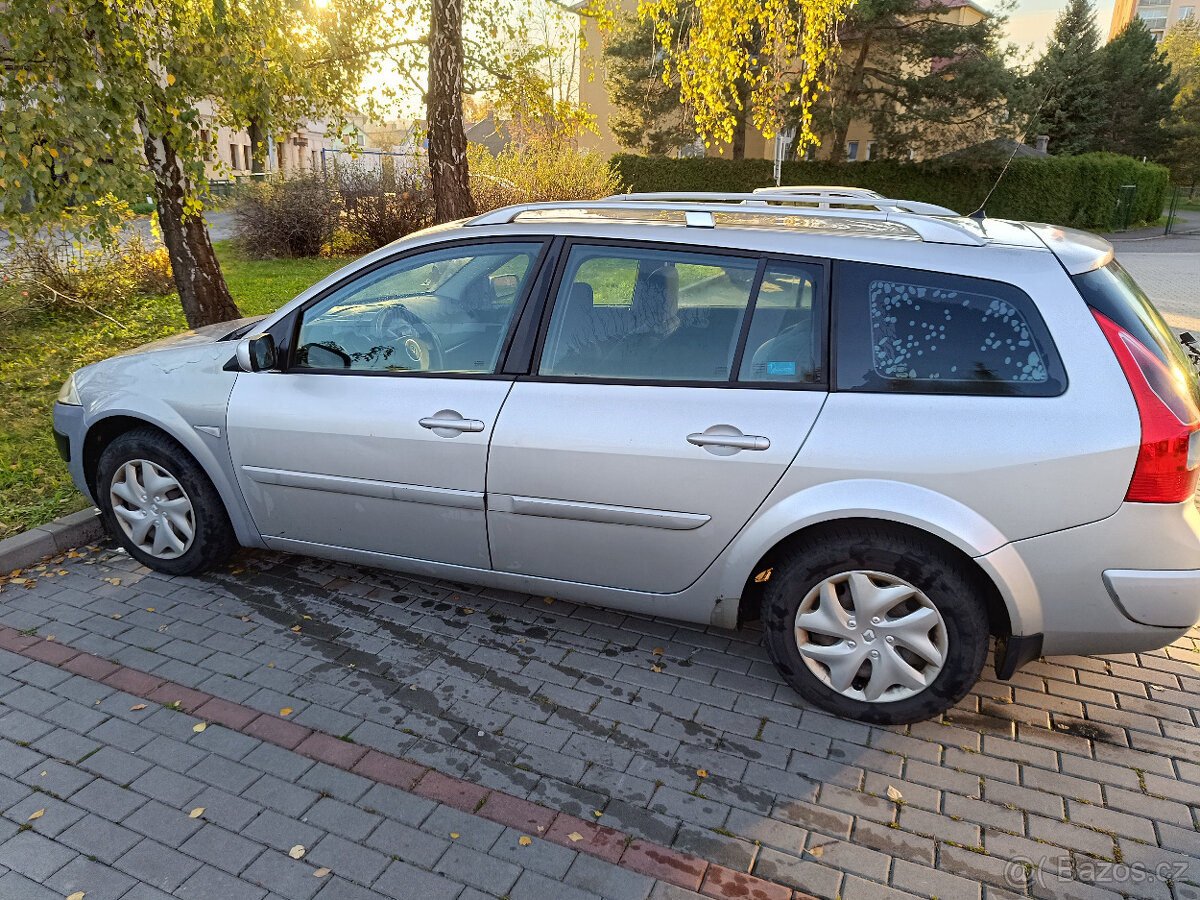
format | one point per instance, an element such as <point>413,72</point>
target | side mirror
<point>256,353</point>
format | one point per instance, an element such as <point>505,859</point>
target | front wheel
<point>875,626</point>
<point>157,501</point>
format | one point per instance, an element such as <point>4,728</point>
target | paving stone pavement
<point>1080,778</point>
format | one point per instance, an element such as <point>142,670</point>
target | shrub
<point>378,207</point>
<point>284,217</point>
<point>1079,191</point>
<point>541,170</point>
<point>55,269</point>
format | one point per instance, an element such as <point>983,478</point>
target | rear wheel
<point>875,625</point>
<point>157,501</point>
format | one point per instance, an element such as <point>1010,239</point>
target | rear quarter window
<point>914,331</point>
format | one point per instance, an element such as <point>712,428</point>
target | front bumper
<point>69,432</point>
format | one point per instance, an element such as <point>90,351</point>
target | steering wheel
<point>416,346</point>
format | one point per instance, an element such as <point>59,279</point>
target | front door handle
<point>725,440</point>
<point>450,423</point>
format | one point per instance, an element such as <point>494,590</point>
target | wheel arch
<point>106,429</point>
<point>999,620</point>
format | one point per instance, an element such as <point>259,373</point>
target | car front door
<point>374,434</point>
<point>671,391</point>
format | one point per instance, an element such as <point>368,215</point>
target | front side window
<point>927,332</point>
<point>634,313</point>
<point>446,310</point>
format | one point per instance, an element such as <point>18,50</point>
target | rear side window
<point>914,331</point>
<point>1112,292</point>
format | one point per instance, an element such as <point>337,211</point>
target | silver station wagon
<point>887,433</point>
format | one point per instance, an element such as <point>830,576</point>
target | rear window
<point>927,332</point>
<point>1112,292</point>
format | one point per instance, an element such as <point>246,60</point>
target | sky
<point>1033,20</point>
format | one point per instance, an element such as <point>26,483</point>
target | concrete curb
<point>62,534</point>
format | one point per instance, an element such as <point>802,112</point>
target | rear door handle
<point>450,423</point>
<point>724,440</point>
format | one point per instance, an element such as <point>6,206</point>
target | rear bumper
<point>1128,583</point>
<point>1169,599</point>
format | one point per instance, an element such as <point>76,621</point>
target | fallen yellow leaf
<point>658,651</point>
<point>113,581</point>
<point>78,895</point>
<point>525,841</point>
<point>703,773</point>
<point>199,727</point>
<point>816,851</point>
<point>656,668</point>
<point>295,628</point>
<point>49,637</point>
<point>549,599</point>
<point>286,711</point>
<point>321,872</point>
<point>297,851</point>
<point>149,609</point>
<point>116,615</point>
<point>894,795</point>
<point>137,707</point>
<point>575,837</point>
<point>197,812</point>
<point>36,815</point>
<point>308,617</point>
<point>597,813</point>
<point>454,835</point>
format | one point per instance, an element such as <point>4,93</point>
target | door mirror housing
<point>256,353</point>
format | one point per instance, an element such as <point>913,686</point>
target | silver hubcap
<point>153,509</point>
<point>871,636</point>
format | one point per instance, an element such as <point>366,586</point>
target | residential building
<point>859,146</point>
<point>1159,15</point>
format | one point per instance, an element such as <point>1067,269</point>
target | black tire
<point>951,587</point>
<point>213,538</point>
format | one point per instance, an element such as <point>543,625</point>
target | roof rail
<point>831,190</point>
<point>821,197</point>
<point>699,209</point>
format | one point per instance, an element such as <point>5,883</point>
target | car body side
<point>1041,511</point>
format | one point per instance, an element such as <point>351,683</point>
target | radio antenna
<point>979,213</point>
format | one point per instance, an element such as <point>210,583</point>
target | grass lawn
<point>40,347</point>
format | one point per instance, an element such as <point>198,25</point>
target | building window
<point>1187,12</point>
<point>870,149</point>
<point>234,157</point>
<point>246,156</point>
<point>205,146</point>
<point>315,154</point>
<point>851,150</point>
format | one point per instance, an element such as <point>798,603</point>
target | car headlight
<point>67,393</point>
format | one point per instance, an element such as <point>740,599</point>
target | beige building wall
<point>298,151</point>
<point>1159,15</point>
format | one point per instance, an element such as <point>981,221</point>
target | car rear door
<point>671,390</point>
<point>374,436</point>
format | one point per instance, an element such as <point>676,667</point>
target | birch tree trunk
<point>202,290</point>
<point>447,139</point>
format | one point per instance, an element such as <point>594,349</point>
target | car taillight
<point>1168,463</point>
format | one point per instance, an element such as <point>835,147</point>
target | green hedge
<point>1080,191</point>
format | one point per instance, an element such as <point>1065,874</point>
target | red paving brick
<point>11,639</point>
<point>51,652</point>
<point>328,749</point>
<point>664,864</point>
<point>278,731</point>
<point>517,813</point>
<point>223,712</point>
<point>727,884</point>
<point>189,699</point>
<point>661,863</point>
<point>451,791</point>
<point>387,769</point>
<point>131,681</point>
<point>90,666</point>
<point>595,840</point>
